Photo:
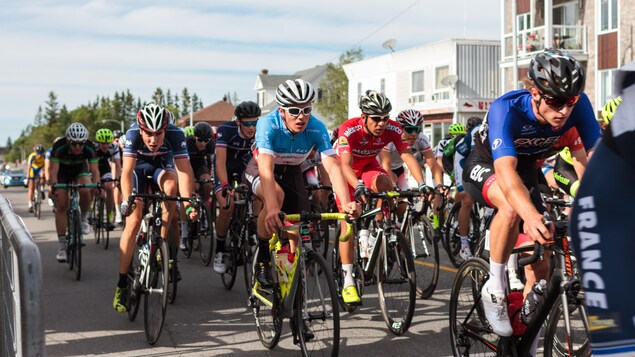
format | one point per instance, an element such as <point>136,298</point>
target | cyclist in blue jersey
<point>233,152</point>
<point>284,139</point>
<point>520,128</point>
<point>153,148</point>
<point>602,231</point>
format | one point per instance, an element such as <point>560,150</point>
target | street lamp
<point>116,121</point>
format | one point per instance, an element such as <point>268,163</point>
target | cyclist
<point>520,128</point>
<point>200,147</point>
<point>360,141</point>
<point>411,121</point>
<point>119,140</point>
<point>284,138</point>
<point>153,148</point>
<point>457,132</point>
<point>109,168</point>
<point>35,163</point>
<point>233,152</point>
<point>189,131</point>
<point>73,159</point>
<point>609,110</point>
<point>600,230</point>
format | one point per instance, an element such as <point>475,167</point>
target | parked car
<point>14,177</point>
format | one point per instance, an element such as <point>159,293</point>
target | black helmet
<point>473,122</point>
<point>247,109</point>
<point>557,74</point>
<point>39,149</point>
<point>117,134</point>
<point>374,102</point>
<point>202,130</point>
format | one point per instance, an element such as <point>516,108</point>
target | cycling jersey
<point>602,228</point>
<point>510,128</point>
<point>105,158</point>
<point>462,150</point>
<point>35,161</point>
<point>421,144</point>
<point>201,160</point>
<point>173,145</point>
<point>237,146</point>
<point>438,150</point>
<point>61,153</point>
<point>273,138</point>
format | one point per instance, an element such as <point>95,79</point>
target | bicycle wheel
<point>317,314</point>
<point>338,277</point>
<point>452,240</point>
<point>173,281</point>
<point>190,239</point>
<point>557,337</point>
<point>425,250</point>
<point>156,297</point>
<point>206,232</point>
<point>229,276</point>
<point>134,287</point>
<point>95,219</point>
<point>37,201</point>
<point>105,235</point>
<point>76,246</point>
<point>469,332</point>
<point>397,288</point>
<point>247,252</point>
<point>268,319</point>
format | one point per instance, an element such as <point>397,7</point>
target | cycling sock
<point>30,204</point>
<point>220,244</point>
<point>512,263</point>
<point>263,251</point>
<point>185,229</point>
<point>464,241</point>
<point>347,269</point>
<point>117,213</point>
<point>123,281</point>
<point>84,216</point>
<point>496,283</point>
<point>61,239</point>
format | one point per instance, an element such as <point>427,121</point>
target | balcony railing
<point>530,41</point>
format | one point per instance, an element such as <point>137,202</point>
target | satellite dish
<point>450,80</point>
<point>389,44</point>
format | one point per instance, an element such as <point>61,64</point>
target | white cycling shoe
<point>495,308</point>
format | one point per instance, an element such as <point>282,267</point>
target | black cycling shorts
<point>602,231</point>
<point>154,167</point>
<point>70,173</point>
<point>565,176</point>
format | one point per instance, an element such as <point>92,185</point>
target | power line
<point>388,22</point>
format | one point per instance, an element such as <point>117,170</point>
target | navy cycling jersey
<point>273,138</point>
<point>173,144</point>
<point>105,158</point>
<point>510,128</point>
<point>237,146</point>
<point>199,158</point>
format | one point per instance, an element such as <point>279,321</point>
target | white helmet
<point>410,117</point>
<point>294,92</point>
<point>152,118</point>
<point>77,132</point>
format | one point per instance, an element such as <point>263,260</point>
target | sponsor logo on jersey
<point>352,130</point>
<point>342,141</point>
<point>365,152</point>
<point>394,128</point>
<point>477,173</point>
<point>497,143</point>
<point>183,144</point>
<point>220,135</point>
<point>535,142</point>
<point>363,142</point>
<point>528,129</point>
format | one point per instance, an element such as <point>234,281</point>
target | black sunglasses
<point>411,129</point>
<point>77,143</point>
<point>559,103</point>
<point>295,111</point>
<point>203,140</point>
<point>250,123</point>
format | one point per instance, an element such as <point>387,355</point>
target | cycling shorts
<point>35,172</point>
<point>601,230</point>
<point>368,174</point>
<point>289,178</point>
<point>151,167</point>
<point>70,173</point>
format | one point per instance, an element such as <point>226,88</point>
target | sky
<point>84,49</point>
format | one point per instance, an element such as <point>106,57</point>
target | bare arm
<point>266,165</point>
<point>579,161</point>
<point>413,165</point>
<point>186,178</point>
<point>437,171</point>
<point>94,171</point>
<point>384,161</point>
<point>220,165</point>
<point>127,169</point>
<point>337,178</point>
<point>346,161</point>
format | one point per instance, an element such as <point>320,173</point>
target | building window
<point>359,91</point>
<point>608,15</point>
<point>417,82</point>
<point>605,87</point>
<point>441,72</point>
<point>382,85</point>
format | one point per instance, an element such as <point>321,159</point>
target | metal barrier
<point>21,325</point>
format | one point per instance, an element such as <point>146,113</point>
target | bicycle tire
<point>190,239</point>
<point>94,219</point>
<point>134,293</point>
<point>76,246</point>
<point>425,251</point>
<point>247,252</point>
<point>229,276</point>
<point>451,239</point>
<point>469,331</point>
<point>338,277</point>
<point>396,309</point>
<point>173,281</point>
<point>316,304</point>
<point>206,237</point>
<point>156,298</point>
<point>556,335</point>
<point>37,200</point>
<point>106,232</point>
<point>268,320</point>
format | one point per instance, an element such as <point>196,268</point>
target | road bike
<point>99,217</point>
<point>38,197</point>
<point>389,264</point>
<point>74,235</point>
<point>302,291</point>
<point>201,234</point>
<point>150,272</point>
<point>561,311</point>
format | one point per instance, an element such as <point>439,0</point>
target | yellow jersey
<point>35,161</point>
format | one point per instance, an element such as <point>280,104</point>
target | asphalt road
<point>206,319</point>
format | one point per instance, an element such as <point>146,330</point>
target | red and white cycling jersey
<point>364,147</point>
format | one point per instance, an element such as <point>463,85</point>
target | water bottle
<point>533,301</point>
<point>372,239</point>
<point>284,260</point>
<point>363,243</point>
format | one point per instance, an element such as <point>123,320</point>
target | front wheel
<point>425,250</point>
<point>317,314</point>
<point>557,338</point>
<point>205,232</point>
<point>75,247</point>
<point>397,288</point>
<point>156,296</point>
<point>265,305</point>
<point>229,276</point>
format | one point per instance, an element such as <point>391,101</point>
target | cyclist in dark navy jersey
<point>520,128</point>
<point>602,229</point>
<point>157,149</point>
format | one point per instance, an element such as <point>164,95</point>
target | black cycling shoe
<point>263,274</point>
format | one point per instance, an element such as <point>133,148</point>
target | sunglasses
<point>295,111</point>
<point>253,122</point>
<point>379,118</point>
<point>559,103</point>
<point>203,140</point>
<point>77,143</point>
<point>412,129</point>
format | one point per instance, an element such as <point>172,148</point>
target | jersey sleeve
<point>500,118</point>
<point>321,138</point>
<point>587,126</point>
<point>132,139</point>
<point>223,135</point>
<point>265,135</point>
<point>178,144</point>
<point>343,146</point>
<point>90,153</point>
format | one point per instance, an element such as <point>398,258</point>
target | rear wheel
<point>425,250</point>
<point>557,338</point>
<point>229,276</point>
<point>317,312</point>
<point>469,332</point>
<point>134,287</point>
<point>156,297</point>
<point>205,232</point>
<point>397,288</point>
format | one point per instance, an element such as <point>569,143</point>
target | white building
<point>447,81</point>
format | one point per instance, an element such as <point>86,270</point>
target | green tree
<point>334,102</point>
<point>9,144</point>
<point>51,112</point>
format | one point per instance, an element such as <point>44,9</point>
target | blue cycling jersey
<point>273,138</point>
<point>173,144</point>
<point>510,128</point>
